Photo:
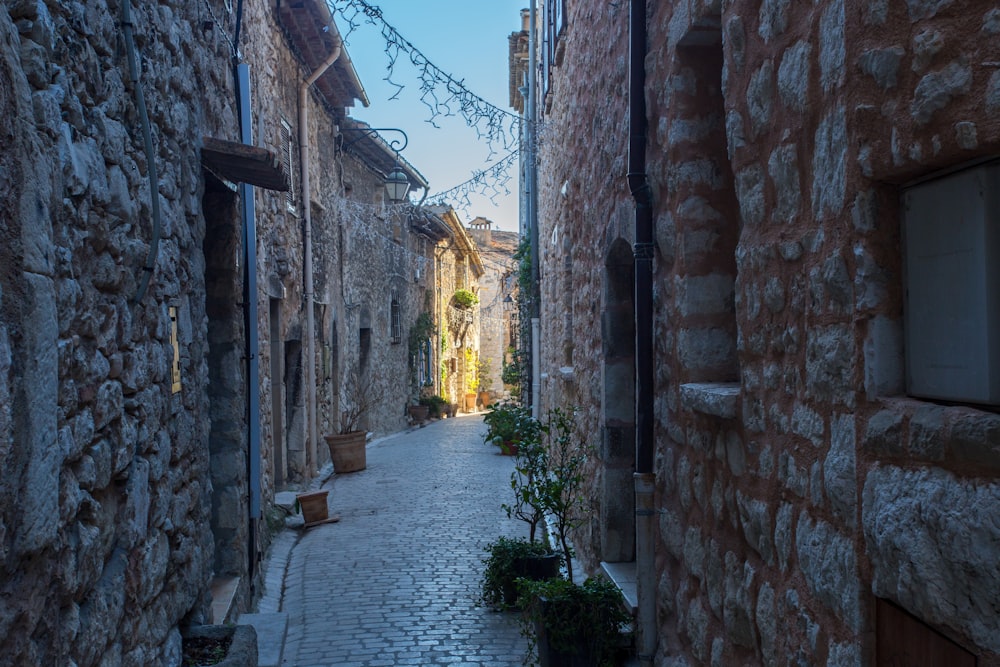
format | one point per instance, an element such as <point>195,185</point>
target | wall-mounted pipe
<point>147,141</point>
<point>638,182</point>
<point>307,249</point>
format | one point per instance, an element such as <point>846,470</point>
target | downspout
<point>532,203</point>
<point>307,250</point>
<point>645,480</point>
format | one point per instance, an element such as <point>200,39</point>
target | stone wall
<point>796,483</point>
<point>126,487</point>
<point>497,251</point>
<point>106,499</point>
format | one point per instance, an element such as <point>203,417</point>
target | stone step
<point>271,629</point>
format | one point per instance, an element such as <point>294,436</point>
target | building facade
<point>162,357</point>
<point>497,304</point>
<point>824,417</point>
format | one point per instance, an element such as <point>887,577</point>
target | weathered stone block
<point>808,424</point>
<point>767,629</point>
<point>829,564</point>
<point>760,98</point>
<point>883,434</point>
<point>750,193</point>
<point>927,436</point>
<point>832,47</point>
<point>924,9</point>
<point>793,76</point>
<point>975,439</point>
<point>936,90</point>
<point>840,469</point>
<point>773,18</point>
<point>738,607</point>
<point>882,65</point>
<point>932,540</point>
<point>783,167</point>
<point>830,364</point>
<point>829,164</point>
<point>755,519</point>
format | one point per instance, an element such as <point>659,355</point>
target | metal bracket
<point>367,131</point>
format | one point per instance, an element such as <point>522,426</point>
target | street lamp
<point>397,184</point>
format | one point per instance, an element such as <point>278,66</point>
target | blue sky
<point>467,39</point>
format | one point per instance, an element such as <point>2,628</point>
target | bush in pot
<point>506,425</point>
<point>509,559</point>
<point>570,624</point>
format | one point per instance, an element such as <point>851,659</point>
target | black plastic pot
<point>535,568</point>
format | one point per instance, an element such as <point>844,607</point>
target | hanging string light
<point>441,93</point>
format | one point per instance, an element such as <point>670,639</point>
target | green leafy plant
<point>506,563</point>
<point>471,379</point>
<point>560,487</point>
<point>530,468</point>
<point>464,298</point>
<point>580,620</point>
<point>435,405</point>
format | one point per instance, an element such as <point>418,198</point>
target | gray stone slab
<point>271,629</point>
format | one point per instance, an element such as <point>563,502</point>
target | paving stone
<point>395,581</point>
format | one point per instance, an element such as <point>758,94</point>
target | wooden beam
<point>241,163</point>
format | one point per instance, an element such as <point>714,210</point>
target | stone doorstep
<point>624,577</point>
<point>223,591</point>
<point>271,629</point>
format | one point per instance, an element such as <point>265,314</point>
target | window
<point>287,152</point>
<point>951,245</point>
<point>395,330</point>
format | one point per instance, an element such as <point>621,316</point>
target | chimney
<point>481,232</point>
<point>525,20</point>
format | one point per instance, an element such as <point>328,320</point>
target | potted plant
<point>347,446</point>
<point>436,406</point>
<point>419,343</point>
<point>471,380</point>
<point>313,506</point>
<point>558,489</point>
<point>510,559</point>
<point>219,645</point>
<point>572,625</point>
<point>504,425</point>
<point>483,369</point>
<point>464,298</point>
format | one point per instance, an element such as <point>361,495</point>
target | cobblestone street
<point>395,581</point>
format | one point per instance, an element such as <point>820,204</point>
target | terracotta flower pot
<point>347,451</point>
<point>418,413</point>
<point>313,506</point>
<point>470,402</point>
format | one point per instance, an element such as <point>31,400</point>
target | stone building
<point>496,289</point>
<point>824,369</point>
<point>155,351</point>
<point>458,266</point>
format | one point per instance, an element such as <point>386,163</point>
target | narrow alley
<point>395,581</point>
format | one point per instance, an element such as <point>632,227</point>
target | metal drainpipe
<point>307,250</point>
<point>645,479</point>
<point>536,294</point>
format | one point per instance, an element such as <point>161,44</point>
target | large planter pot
<point>484,399</point>
<point>313,506</point>
<point>470,402</point>
<point>239,643</point>
<point>418,413</point>
<point>509,448</point>
<point>347,451</point>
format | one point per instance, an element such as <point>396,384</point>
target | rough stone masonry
<point>799,486</point>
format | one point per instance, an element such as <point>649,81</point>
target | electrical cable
<point>147,140</point>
